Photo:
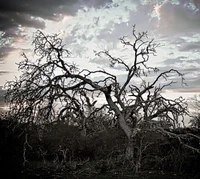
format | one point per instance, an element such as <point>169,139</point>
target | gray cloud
<point>191,75</point>
<point>193,85</point>
<point>179,18</point>
<point>194,89</point>
<point>183,64</point>
<point>95,3</point>
<point>118,31</point>
<point>172,62</point>
<point>177,40</point>
<point>3,72</point>
<point>101,62</point>
<point>4,52</point>
<point>190,46</point>
<point>142,17</point>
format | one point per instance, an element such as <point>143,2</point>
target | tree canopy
<point>51,79</point>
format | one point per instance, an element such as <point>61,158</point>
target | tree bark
<point>130,150</point>
<point>129,131</point>
<point>131,145</point>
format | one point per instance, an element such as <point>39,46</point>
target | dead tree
<point>52,87</point>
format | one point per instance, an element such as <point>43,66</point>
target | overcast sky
<point>88,25</point>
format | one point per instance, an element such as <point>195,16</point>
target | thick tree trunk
<point>130,150</point>
<point>120,117</point>
<point>131,145</point>
<point>130,132</point>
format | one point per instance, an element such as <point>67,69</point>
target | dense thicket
<point>60,147</point>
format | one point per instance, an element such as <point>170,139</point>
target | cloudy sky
<point>88,25</point>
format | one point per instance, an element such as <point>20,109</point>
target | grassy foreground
<point>107,175</point>
<point>91,171</point>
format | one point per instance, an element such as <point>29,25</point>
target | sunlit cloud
<point>157,10</point>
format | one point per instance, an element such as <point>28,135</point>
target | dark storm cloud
<point>27,13</point>
<point>14,19</point>
<point>31,13</point>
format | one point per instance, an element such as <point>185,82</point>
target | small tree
<point>195,121</point>
<point>51,88</point>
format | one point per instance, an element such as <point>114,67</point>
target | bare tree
<point>52,88</point>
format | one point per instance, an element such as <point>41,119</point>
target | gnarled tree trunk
<point>131,136</point>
